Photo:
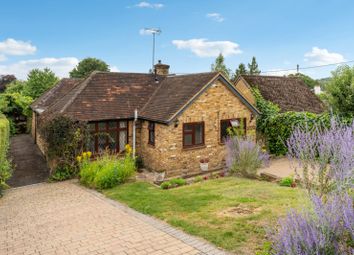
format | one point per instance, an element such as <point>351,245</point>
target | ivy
<point>275,127</point>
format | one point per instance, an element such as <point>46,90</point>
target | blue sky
<point>280,34</point>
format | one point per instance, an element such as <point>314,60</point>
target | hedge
<point>5,168</point>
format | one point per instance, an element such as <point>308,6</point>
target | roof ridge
<point>83,85</point>
<point>44,96</point>
<point>152,95</point>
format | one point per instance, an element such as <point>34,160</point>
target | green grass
<point>199,208</point>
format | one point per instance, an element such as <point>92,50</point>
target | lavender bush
<point>325,156</point>
<point>327,229</point>
<point>244,156</point>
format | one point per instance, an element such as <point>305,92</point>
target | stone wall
<point>168,154</point>
<point>36,136</point>
<point>243,88</point>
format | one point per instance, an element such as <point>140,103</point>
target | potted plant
<point>204,164</point>
<point>160,175</point>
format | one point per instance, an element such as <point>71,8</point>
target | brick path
<point>65,218</point>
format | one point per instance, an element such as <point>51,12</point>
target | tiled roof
<point>55,93</point>
<point>109,95</point>
<point>290,93</point>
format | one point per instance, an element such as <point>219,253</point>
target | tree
<point>311,83</point>
<point>240,71</point>
<point>340,91</point>
<point>253,67</point>
<point>38,81</point>
<point>87,66</point>
<point>5,80</point>
<point>219,66</point>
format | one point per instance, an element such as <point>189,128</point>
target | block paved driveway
<point>65,218</point>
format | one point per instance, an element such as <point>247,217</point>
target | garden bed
<point>230,212</point>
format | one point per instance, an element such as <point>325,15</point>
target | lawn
<point>230,212</point>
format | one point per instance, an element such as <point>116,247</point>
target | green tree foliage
<point>253,67</point>
<point>340,91</point>
<point>15,87</point>
<point>219,66</point>
<point>240,71</point>
<point>87,66</point>
<point>311,83</point>
<point>38,81</point>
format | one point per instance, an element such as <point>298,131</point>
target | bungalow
<point>180,120</point>
<point>289,93</point>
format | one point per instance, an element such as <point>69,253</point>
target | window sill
<point>194,147</point>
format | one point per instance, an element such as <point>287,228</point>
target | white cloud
<point>60,66</point>
<point>2,58</point>
<point>16,48</point>
<point>149,5</point>
<point>204,48</point>
<point>318,56</point>
<point>215,16</point>
<point>114,69</point>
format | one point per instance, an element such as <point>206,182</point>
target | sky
<point>280,34</point>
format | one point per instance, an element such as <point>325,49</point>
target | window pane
<point>223,128</point>
<point>91,144</point>
<point>92,126</point>
<point>188,127</point>
<point>122,124</point>
<point>112,125</point>
<point>198,134</point>
<point>187,139</point>
<point>101,140</point>
<point>122,140</point>
<point>102,125</point>
<point>112,140</point>
<point>151,136</point>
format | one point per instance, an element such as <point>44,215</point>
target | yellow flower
<point>84,154</point>
<point>79,158</point>
<point>128,149</point>
<point>89,154</point>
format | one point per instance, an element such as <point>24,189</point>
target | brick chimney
<point>161,69</point>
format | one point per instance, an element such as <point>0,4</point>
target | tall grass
<point>106,171</point>
<point>5,166</point>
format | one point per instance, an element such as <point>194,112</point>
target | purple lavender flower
<point>326,229</point>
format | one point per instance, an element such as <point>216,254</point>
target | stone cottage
<point>181,119</point>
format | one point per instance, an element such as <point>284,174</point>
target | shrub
<point>106,171</point>
<point>61,173</point>
<point>5,166</point>
<point>166,185</point>
<point>244,156</point>
<point>287,182</point>
<point>65,138</point>
<point>198,179</point>
<point>325,155</point>
<point>328,228</point>
<point>178,181</point>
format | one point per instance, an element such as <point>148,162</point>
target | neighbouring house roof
<point>52,95</point>
<point>109,95</point>
<point>289,93</point>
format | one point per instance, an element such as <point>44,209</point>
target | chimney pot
<point>161,69</point>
